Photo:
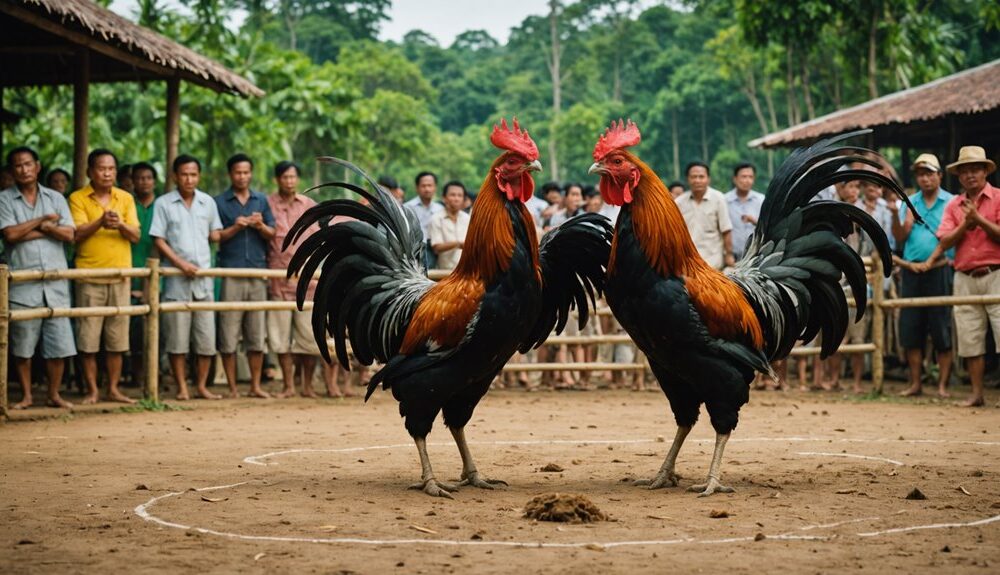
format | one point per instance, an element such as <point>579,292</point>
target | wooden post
<point>81,121</point>
<point>152,351</point>
<point>4,332</point>
<point>878,325</point>
<point>173,129</point>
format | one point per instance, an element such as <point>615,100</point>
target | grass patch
<point>148,404</point>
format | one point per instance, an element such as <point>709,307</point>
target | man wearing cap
<point>971,224</point>
<point>919,241</point>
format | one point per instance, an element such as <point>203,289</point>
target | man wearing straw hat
<point>919,241</point>
<point>972,225</point>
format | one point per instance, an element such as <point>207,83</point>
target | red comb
<point>516,140</point>
<point>619,135</point>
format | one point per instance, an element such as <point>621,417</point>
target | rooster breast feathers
<point>796,256</point>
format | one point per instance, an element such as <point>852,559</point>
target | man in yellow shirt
<point>106,228</point>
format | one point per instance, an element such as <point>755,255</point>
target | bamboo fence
<point>152,310</point>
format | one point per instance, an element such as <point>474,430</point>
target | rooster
<point>443,343</point>
<point>706,333</point>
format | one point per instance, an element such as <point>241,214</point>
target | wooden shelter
<point>958,110</point>
<point>58,42</point>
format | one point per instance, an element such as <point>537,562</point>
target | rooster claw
<point>661,480</point>
<point>713,486</point>
<point>435,488</point>
<point>475,480</point>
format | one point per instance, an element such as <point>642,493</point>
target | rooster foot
<point>661,480</point>
<point>435,488</point>
<point>475,480</point>
<point>713,486</point>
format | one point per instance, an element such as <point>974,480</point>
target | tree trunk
<point>769,100</point>
<point>555,60</point>
<point>793,106</point>
<point>806,91</point>
<point>676,144</point>
<point>704,136</point>
<point>872,55</point>
<point>750,89</point>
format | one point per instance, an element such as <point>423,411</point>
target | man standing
<point>919,241</point>
<point>425,208</point>
<point>184,222</point>
<point>707,217</point>
<point>106,228</point>
<point>36,224</point>
<point>248,226</point>
<point>144,190</point>
<point>744,207</point>
<point>289,333</point>
<point>448,228</point>
<point>971,224</point>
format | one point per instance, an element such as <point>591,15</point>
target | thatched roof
<point>971,92</point>
<point>41,37</point>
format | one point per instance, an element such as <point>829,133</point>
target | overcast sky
<point>443,19</point>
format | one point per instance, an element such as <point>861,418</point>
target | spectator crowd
<point>117,220</point>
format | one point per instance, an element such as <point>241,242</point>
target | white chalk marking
<point>851,456</point>
<point>976,523</point>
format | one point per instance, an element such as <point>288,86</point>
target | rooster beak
<point>534,166</point>
<point>596,168</point>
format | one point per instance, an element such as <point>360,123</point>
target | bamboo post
<point>173,128</point>
<point>81,122</point>
<point>878,326</point>
<point>4,331</point>
<point>152,351</point>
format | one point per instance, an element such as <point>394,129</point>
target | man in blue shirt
<point>36,224</point>
<point>247,227</point>
<point>185,221</point>
<point>919,241</point>
<point>744,207</point>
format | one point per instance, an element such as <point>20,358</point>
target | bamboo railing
<point>152,310</point>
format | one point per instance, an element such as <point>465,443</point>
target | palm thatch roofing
<point>41,39</point>
<point>964,106</point>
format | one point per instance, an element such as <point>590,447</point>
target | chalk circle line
<point>800,534</point>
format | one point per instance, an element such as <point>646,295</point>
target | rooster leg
<point>428,484</point>
<point>666,475</point>
<point>470,476</point>
<point>712,485</point>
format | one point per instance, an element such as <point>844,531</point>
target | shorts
<point>55,333</point>
<point>916,323</point>
<point>857,332</point>
<point>187,331</point>
<point>114,329</point>
<point>971,320</point>
<point>290,331</point>
<point>251,323</point>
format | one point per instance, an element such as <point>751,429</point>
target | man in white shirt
<point>744,207</point>
<point>707,217</point>
<point>425,207</point>
<point>448,228</point>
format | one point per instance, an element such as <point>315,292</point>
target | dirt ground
<point>821,486</point>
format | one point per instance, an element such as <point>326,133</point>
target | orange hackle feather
<point>446,310</point>
<point>664,239</point>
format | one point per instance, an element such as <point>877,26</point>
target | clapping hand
<point>112,220</point>
<point>972,216</point>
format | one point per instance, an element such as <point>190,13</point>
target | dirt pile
<point>563,508</point>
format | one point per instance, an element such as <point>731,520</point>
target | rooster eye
<point>618,161</point>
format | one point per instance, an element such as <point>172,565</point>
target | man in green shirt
<point>144,190</point>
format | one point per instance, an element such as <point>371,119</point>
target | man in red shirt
<point>971,224</point>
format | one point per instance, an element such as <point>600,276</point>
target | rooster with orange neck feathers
<point>706,333</point>
<point>443,343</point>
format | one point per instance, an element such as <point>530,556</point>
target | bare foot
<point>943,393</point>
<point>286,393</point>
<point>858,390</point>
<point>234,394</point>
<point>119,397</point>
<point>831,385</point>
<point>58,402</point>
<point>206,394</point>
<point>309,393</point>
<point>912,391</point>
<point>23,404</point>
<point>349,391</point>
<point>258,393</point>
<point>183,396</point>
<point>972,402</point>
<point>90,399</point>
